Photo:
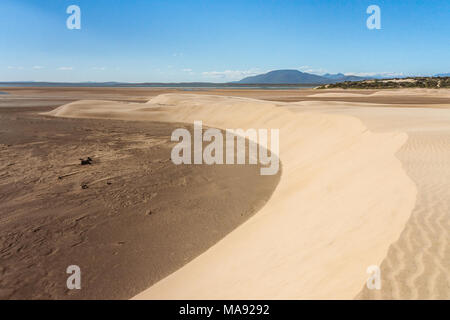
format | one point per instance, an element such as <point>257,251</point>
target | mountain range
<point>298,77</point>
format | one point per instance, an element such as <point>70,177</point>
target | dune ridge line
<point>342,199</point>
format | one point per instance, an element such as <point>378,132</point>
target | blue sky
<point>214,40</point>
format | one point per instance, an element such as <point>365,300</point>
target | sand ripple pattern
<point>417,265</point>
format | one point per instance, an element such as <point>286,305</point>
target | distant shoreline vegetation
<point>394,83</point>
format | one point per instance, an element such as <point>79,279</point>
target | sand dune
<point>337,95</point>
<point>343,198</point>
<point>441,93</point>
<point>417,265</point>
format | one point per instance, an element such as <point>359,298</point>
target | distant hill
<point>340,77</point>
<point>336,76</point>
<point>284,77</point>
<point>296,77</point>
<point>443,75</point>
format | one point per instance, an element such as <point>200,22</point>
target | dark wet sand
<point>138,219</point>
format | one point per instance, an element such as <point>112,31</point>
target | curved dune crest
<point>343,198</point>
<point>337,95</point>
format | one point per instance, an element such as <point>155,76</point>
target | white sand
<point>442,93</point>
<point>437,93</point>
<point>343,198</point>
<point>418,263</point>
<point>337,95</point>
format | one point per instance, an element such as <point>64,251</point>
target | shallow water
<point>182,86</point>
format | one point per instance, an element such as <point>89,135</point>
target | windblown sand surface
<point>418,263</point>
<point>343,198</point>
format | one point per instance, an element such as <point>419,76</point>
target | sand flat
<point>137,219</point>
<point>61,95</point>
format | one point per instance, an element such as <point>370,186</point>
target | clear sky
<point>215,40</point>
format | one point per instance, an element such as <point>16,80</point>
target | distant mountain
<point>334,76</point>
<point>285,77</point>
<point>442,75</point>
<point>297,77</point>
<point>340,77</point>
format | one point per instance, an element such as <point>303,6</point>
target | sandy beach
<point>364,182</point>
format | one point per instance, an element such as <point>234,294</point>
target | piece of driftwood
<point>69,174</point>
<point>86,161</point>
